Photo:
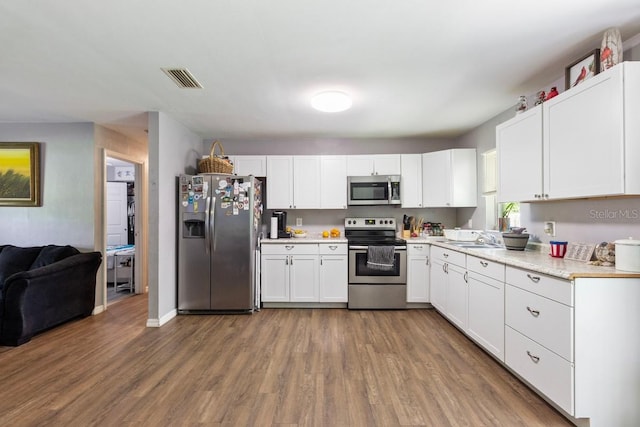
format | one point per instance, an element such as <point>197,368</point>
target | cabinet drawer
<point>546,371</point>
<point>447,255</point>
<point>492,269</point>
<point>333,249</point>
<point>417,249</point>
<point>550,287</point>
<point>541,319</point>
<point>289,249</point>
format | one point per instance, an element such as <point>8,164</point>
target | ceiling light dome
<point>331,101</point>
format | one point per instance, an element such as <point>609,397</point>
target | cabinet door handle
<point>534,279</point>
<point>484,263</point>
<point>320,260</point>
<point>534,313</point>
<point>290,260</point>
<point>444,267</point>
<point>535,359</point>
<point>288,247</point>
<point>466,276</point>
<point>426,260</point>
<point>286,260</point>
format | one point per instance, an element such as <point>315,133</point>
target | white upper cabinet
<point>582,143</point>
<point>279,182</point>
<point>449,178</point>
<point>591,134</point>
<point>306,182</point>
<point>249,165</point>
<point>293,182</point>
<point>519,147</point>
<point>411,181</point>
<point>333,182</point>
<point>373,164</point>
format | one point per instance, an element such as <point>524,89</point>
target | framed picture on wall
<point>20,174</point>
<point>583,69</point>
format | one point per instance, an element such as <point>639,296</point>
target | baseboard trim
<point>156,323</point>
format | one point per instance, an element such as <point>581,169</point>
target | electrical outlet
<point>550,228</point>
<point>298,222</point>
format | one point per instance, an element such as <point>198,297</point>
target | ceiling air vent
<point>182,77</point>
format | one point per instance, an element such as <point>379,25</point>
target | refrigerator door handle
<point>207,228</point>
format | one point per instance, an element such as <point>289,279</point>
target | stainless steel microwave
<point>374,190</point>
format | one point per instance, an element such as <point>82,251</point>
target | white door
<point>334,271</point>
<point>333,182</point>
<point>117,227</point>
<point>279,182</point>
<point>303,278</point>
<point>436,179</point>
<point>275,278</point>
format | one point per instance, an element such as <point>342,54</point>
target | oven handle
<point>397,248</point>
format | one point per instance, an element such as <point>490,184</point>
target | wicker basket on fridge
<point>215,163</point>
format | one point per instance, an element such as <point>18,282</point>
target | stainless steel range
<point>376,285</point>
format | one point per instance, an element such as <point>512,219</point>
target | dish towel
<point>381,257</point>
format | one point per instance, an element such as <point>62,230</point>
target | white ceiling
<point>413,67</point>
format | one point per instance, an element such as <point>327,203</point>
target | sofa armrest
<point>41,298</point>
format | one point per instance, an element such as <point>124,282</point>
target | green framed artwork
<point>20,174</point>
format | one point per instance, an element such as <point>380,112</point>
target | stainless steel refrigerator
<point>219,218</point>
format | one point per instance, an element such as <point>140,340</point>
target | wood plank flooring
<point>278,367</point>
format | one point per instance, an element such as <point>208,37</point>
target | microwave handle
<point>389,190</point>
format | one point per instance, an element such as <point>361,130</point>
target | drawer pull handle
<point>484,263</point>
<point>534,279</point>
<point>534,313</point>
<point>445,255</point>
<point>535,359</point>
<point>288,247</point>
<point>333,247</point>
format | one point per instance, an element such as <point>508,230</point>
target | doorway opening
<point>121,198</point>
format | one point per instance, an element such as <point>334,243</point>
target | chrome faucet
<point>486,238</point>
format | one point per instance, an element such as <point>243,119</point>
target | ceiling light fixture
<point>331,101</point>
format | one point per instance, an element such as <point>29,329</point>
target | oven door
<point>360,273</point>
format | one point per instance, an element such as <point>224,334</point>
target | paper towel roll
<point>274,227</point>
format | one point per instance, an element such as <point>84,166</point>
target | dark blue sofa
<point>44,286</point>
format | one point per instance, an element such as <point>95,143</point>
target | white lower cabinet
<point>449,285</point>
<point>417,272</point>
<point>305,273</point>
<point>573,341</point>
<point>485,321</point>
<point>334,270</point>
<point>539,333</point>
<point>289,273</point>
<point>545,370</point>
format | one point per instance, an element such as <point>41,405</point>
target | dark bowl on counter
<point>515,241</point>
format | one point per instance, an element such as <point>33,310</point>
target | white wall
<point>67,212</point>
<point>173,150</point>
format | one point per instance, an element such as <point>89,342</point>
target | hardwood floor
<point>286,367</point>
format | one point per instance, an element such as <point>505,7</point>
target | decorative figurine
<point>521,106</point>
<point>553,92</point>
<point>541,98</point>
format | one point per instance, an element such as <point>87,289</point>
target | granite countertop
<point>537,259</point>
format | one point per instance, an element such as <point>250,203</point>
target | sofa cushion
<point>14,259</point>
<point>52,253</point>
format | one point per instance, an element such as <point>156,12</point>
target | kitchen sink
<point>476,245</point>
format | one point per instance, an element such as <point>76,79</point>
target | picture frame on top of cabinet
<point>20,174</point>
<point>582,69</point>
